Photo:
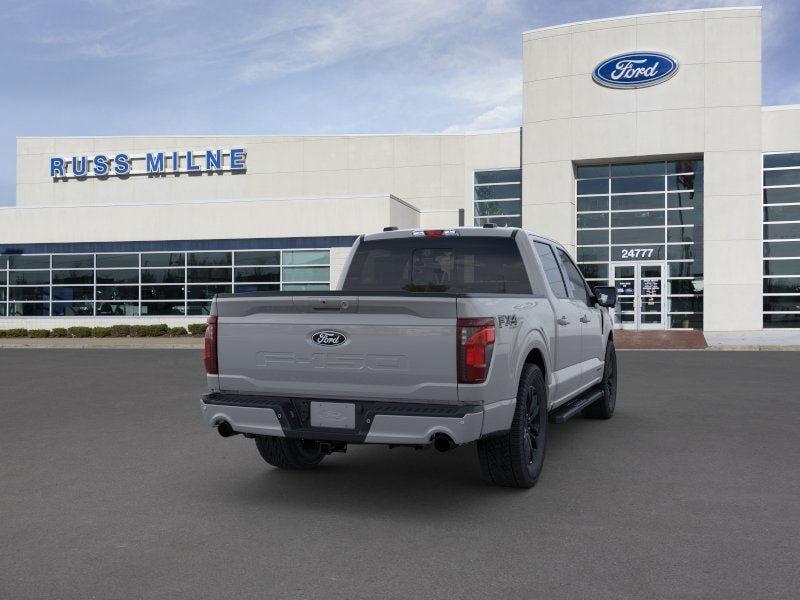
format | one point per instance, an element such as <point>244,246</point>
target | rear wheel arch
<point>536,353</point>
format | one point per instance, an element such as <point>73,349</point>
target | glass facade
<point>781,248</point>
<point>128,284</point>
<point>646,212</point>
<point>498,197</point>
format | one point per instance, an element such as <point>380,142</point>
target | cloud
<point>497,117</point>
<point>333,35</point>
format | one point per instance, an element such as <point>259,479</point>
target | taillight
<point>210,351</point>
<point>475,345</point>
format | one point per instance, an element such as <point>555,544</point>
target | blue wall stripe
<point>341,241</point>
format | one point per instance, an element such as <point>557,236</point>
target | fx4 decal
<point>507,321</point>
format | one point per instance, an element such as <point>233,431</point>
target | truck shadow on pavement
<point>378,480</point>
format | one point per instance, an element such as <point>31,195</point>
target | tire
<point>289,454</point>
<point>516,458</point>
<point>603,408</point>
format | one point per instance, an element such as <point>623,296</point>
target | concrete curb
<point>721,348</point>
<point>167,343</point>
<point>754,347</point>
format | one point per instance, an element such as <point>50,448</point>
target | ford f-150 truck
<point>432,338</point>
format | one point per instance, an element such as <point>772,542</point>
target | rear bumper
<point>376,422</point>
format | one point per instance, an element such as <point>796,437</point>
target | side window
<point>574,277</point>
<point>551,270</point>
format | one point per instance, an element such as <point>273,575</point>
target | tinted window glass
<point>28,277</point>
<point>29,262</point>
<point>587,171</point>
<point>574,278</point>
<point>782,267</point>
<point>782,285</point>
<point>594,271</point>
<point>782,213</point>
<point>780,249</point>
<point>637,236</point>
<point>491,192</point>
<point>454,265</point>
<point>593,237</point>
<point>257,258</point>
<point>681,182</point>
<point>638,201</point>
<point>317,274</point>
<point>73,292</point>
<point>593,203</point>
<point>684,199</point>
<point>510,175</point>
<point>306,257</point>
<point>29,293</point>
<point>789,177</point>
<point>117,260</point>
<point>257,274</point>
<point>782,195</point>
<point>117,292</point>
<point>498,207</point>
<point>163,259</point>
<point>73,261</point>
<point>209,259</point>
<point>163,275</point>
<point>637,219</point>
<point>73,277</point>
<point>654,168</point>
<point>551,270</point>
<point>593,220</point>
<point>782,160</point>
<point>118,275</point>
<point>593,186</point>
<point>595,254</point>
<point>782,231</point>
<point>637,184</point>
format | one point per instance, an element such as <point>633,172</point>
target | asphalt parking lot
<point>110,487</point>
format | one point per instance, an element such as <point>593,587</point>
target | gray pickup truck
<point>433,338</point>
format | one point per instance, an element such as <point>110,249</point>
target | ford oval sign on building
<point>635,70</point>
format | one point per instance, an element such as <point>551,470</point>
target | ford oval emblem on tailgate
<point>328,337</point>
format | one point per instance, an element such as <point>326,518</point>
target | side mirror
<point>605,295</point>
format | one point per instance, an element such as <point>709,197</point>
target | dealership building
<point>644,149</point>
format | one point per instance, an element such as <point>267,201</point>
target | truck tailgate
<point>378,347</point>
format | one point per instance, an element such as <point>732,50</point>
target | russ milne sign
<point>635,70</point>
<point>151,163</point>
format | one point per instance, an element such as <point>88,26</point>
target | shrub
<point>2,333</point>
<point>59,332</point>
<point>17,332</point>
<point>177,331</point>
<point>157,330</point>
<point>101,332</point>
<point>120,330</point>
<point>197,328</point>
<point>138,330</point>
<point>38,333</point>
<point>80,332</point>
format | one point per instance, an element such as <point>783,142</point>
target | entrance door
<point>640,295</point>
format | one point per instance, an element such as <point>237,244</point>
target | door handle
<point>584,319</point>
<point>563,321</point>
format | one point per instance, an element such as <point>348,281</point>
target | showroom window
<point>781,281</point>
<point>498,197</point>
<point>120,284</point>
<point>642,224</point>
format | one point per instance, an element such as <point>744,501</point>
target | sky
<point>171,67</point>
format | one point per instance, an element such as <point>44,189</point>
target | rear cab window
<point>455,265</point>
